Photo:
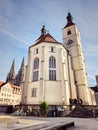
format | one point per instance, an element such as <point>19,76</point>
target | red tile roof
<point>46,38</point>
<point>1,83</point>
<point>14,86</point>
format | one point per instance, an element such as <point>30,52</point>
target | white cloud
<point>13,36</point>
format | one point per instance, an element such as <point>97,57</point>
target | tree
<point>44,108</point>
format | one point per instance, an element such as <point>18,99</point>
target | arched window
<point>36,69</point>
<point>52,68</point>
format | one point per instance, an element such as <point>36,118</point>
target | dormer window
<point>68,32</point>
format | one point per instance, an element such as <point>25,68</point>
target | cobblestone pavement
<point>80,123</point>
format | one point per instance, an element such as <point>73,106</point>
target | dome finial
<point>69,20</point>
<point>43,30</point>
<point>69,17</point>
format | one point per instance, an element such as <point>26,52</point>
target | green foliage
<point>44,108</point>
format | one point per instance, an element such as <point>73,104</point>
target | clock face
<point>70,42</point>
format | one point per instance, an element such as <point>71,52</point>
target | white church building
<point>56,72</point>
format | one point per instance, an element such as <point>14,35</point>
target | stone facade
<point>70,76</point>
<point>72,42</point>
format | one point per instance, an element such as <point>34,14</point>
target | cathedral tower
<point>20,76</point>
<point>72,42</point>
<point>11,75</point>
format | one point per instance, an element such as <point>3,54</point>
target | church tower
<point>72,42</point>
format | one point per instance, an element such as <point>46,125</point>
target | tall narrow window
<point>36,63</point>
<point>35,75</point>
<point>34,92</point>
<point>36,51</point>
<point>52,49</point>
<point>36,69</point>
<point>52,68</point>
<point>68,32</point>
<point>52,62</point>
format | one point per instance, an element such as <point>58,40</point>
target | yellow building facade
<point>9,94</point>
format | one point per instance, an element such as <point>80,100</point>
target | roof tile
<point>46,38</point>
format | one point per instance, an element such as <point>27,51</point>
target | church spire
<point>11,75</point>
<point>20,76</point>
<point>43,30</point>
<point>22,64</point>
<point>69,20</point>
<point>13,66</point>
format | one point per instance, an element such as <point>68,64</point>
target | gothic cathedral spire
<point>20,76</point>
<point>11,75</point>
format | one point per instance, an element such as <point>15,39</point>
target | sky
<point>22,20</point>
